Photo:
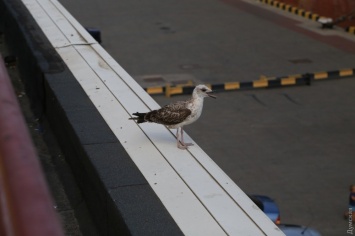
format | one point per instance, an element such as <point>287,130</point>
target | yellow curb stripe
<point>260,83</point>
<point>294,10</point>
<point>307,14</point>
<point>297,11</point>
<point>346,72</point>
<point>232,85</point>
<point>287,7</point>
<point>175,90</point>
<point>300,12</point>
<point>315,17</point>
<point>351,29</point>
<point>281,5</point>
<point>169,90</point>
<point>321,75</point>
<point>288,81</point>
<point>263,82</point>
<point>155,90</point>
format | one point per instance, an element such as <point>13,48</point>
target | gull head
<point>203,91</point>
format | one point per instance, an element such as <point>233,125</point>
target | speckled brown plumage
<point>178,114</point>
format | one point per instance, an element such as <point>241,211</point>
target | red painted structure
<point>26,207</point>
<point>328,8</point>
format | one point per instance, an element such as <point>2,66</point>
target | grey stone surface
<point>113,165</point>
<point>90,126</point>
<point>64,88</point>
<point>140,207</point>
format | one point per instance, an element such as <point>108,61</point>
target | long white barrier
<point>200,197</point>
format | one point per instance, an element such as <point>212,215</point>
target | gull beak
<point>211,95</point>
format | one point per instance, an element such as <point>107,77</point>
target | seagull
<point>178,114</point>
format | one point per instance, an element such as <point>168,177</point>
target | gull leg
<point>182,140</point>
<point>179,145</point>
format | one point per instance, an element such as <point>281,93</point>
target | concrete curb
<point>276,82</point>
<point>292,9</point>
<point>301,12</point>
<point>119,198</point>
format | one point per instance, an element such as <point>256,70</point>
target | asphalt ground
<point>293,144</point>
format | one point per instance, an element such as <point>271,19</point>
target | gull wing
<point>171,114</point>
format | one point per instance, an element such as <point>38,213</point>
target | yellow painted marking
<point>287,7</point>
<point>320,75</point>
<point>307,14</point>
<point>154,90</point>
<point>170,90</point>
<point>175,90</point>
<point>315,16</point>
<point>300,11</point>
<point>281,5</point>
<point>232,85</point>
<point>346,72</point>
<point>293,9</point>
<point>288,81</point>
<point>351,29</point>
<point>260,83</point>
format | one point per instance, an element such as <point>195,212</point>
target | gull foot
<point>183,147</point>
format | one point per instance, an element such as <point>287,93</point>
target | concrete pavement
<point>294,144</point>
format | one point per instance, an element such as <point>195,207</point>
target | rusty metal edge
<point>25,202</point>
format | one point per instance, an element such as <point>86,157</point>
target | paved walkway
<point>294,144</point>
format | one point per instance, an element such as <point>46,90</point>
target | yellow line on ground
<point>300,12</point>
<point>315,16</point>
<point>170,90</point>
<point>281,5</point>
<point>154,90</point>
<point>320,75</point>
<point>288,81</point>
<point>294,9</point>
<point>232,85</point>
<point>260,83</point>
<point>346,72</point>
<point>287,7</point>
<point>307,14</point>
<point>351,29</point>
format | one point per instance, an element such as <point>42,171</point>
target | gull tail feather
<point>139,117</point>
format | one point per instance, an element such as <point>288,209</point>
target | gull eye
<point>203,90</point>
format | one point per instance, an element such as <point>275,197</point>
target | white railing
<point>200,197</point>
